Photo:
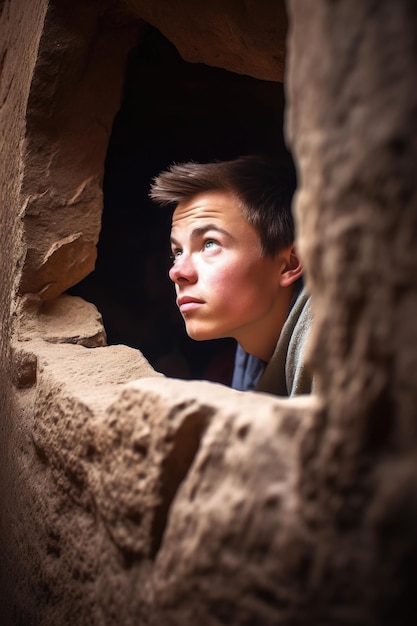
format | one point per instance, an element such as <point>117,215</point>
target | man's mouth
<point>188,303</point>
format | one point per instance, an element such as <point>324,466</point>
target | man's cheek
<point>224,278</point>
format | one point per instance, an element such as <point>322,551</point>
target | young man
<point>235,267</point>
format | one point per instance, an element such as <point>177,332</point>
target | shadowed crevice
<point>175,468</point>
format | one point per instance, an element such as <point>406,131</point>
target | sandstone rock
<point>220,33</point>
<point>355,141</point>
<point>170,472</point>
<point>68,319</point>
<point>171,502</point>
<point>71,258</point>
<point>68,533</point>
<point>70,121</point>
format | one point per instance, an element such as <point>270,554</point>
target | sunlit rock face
<point>131,498</point>
<point>242,37</point>
<point>352,125</point>
<point>72,100</point>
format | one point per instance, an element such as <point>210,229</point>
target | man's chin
<point>201,335</point>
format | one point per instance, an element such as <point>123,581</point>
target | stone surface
<point>221,32</point>
<point>235,550</point>
<point>68,567</point>
<point>69,119</point>
<point>70,259</point>
<point>150,472</point>
<point>68,319</point>
<point>128,498</point>
<point>20,30</point>
<point>352,124</point>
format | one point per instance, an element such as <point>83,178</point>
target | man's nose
<point>183,269</point>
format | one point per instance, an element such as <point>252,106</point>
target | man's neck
<point>261,340</point>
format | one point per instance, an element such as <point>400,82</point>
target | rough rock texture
<point>243,558</point>
<point>20,30</point>
<point>118,458</point>
<point>353,126</point>
<point>242,37</point>
<point>73,99</point>
<point>170,503</point>
<point>69,567</point>
<point>67,319</point>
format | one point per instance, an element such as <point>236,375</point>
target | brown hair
<point>262,186</point>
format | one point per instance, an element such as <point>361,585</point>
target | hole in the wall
<point>171,111</point>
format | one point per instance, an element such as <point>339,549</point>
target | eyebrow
<point>201,230</point>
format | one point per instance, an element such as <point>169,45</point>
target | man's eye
<point>210,244</point>
<point>175,254</point>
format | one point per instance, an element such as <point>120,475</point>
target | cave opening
<point>171,111</point>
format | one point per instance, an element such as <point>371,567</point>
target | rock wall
<point>21,29</point>
<point>352,125</point>
<point>128,498</point>
<point>221,33</point>
<point>74,95</point>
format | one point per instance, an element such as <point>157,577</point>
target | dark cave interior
<point>172,111</point>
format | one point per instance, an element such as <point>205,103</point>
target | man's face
<point>224,286</point>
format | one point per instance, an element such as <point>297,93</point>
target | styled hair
<point>263,188</point>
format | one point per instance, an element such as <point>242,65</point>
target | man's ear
<point>292,268</point>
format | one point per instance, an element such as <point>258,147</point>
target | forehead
<point>219,207</point>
